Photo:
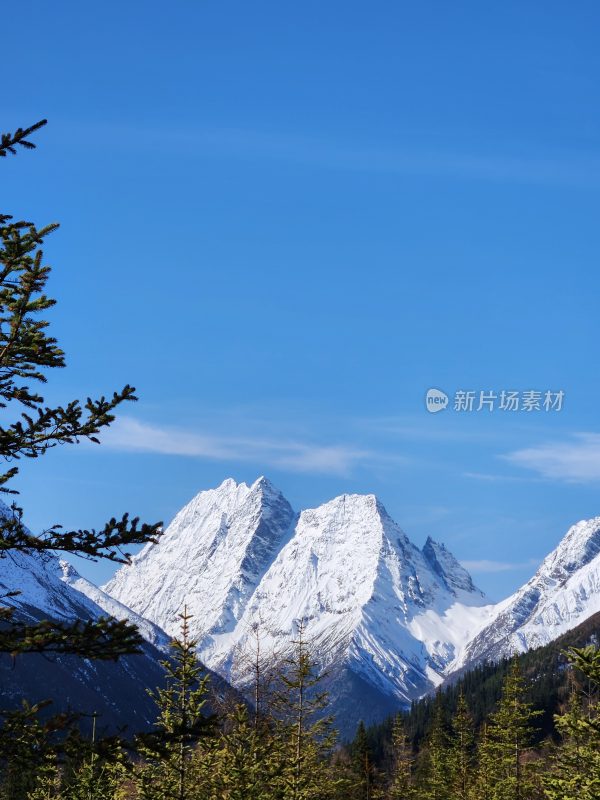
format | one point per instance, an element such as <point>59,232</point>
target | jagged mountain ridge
<point>216,548</point>
<point>564,591</point>
<point>379,611</point>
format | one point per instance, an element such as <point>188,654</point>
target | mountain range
<point>387,621</point>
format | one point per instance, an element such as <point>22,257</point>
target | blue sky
<point>283,223</point>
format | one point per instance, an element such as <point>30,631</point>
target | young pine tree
<point>463,738</point>
<point>305,734</point>
<point>96,768</point>
<point>27,758</point>
<point>363,766</point>
<point>436,767</point>
<point>484,769</point>
<point>402,785</point>
<point>249,763</point>
<point>167,773</point>
<point>48,784</point>
<point>504,773</point>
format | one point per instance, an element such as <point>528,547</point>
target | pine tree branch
<point>105,639</point>
<point>10,141</point>
<point>106,543</point>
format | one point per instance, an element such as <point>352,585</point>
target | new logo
<point>435,400</point>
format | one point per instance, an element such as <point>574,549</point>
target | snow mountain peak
<point>210,558</point>
<point>563,592</point>
<point>579,547</point>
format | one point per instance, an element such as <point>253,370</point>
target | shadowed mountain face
<point>115,691</point>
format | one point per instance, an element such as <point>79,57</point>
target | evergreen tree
<point>182,722</point>
<point>304,731</point>
<point>483,777</point>
<point>48,780</point>
<point>27,753</point>
<point>435,773</point>
<point>402,786</point>
<point>575,765</point>
<point>95,769</point>
<point>27,352</point>
<point>463,738</point>
<point>363,766</point>
<point>250,758</point>
<point>508,740</point>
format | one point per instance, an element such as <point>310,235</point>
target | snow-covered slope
<point>210,558</point>
<point>103,602</point>
<point>366,593</point>
<point>52,588</point>
<point>563,592</point>
<point>38,579</point>
<point>376,607</point>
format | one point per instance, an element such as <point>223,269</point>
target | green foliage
<point>287,752</point>
<point>508,739</point>
<point>27,353</point>
<point>574,772</point>
<point>402,782</point>
<point>250,766</point>
<point>25,751</point>
<point>305,735</point>
<point>462,753</point>
<point>99,770</point>
<point>166,773</point>
<point>435,769</point>
<point>362,765</point>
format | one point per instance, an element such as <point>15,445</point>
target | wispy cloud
<point>565,169</point>
<point>491,477</point>
<point>573,461</point>
<point>288,454</point>
<point>485,565</point>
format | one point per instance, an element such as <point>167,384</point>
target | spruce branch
<point>10,141</point>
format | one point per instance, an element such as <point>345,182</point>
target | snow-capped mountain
<point>211,558</point>
<point>564,591</point>
<point>379,611</point>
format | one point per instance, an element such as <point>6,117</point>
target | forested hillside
<point>546,686</point>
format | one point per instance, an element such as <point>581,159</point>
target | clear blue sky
<point>284,222</point>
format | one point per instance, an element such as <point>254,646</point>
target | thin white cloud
<point>494,478</point>
<point>485,565</point>
<point>573,461</point>
<point>563,169</point>
<point>296,456</point>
